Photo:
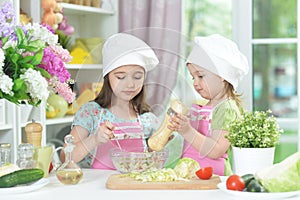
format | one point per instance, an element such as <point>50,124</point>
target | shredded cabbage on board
<point>154,175</point>
<point>184,170</point>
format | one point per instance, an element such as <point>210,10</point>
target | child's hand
<point>179,123</point>
<point>105,132</point>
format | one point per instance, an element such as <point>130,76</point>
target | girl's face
<point>127,81</point>
<point>207,84</point>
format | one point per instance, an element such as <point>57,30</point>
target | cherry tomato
<point>235,182</point>
<point>205,173</point>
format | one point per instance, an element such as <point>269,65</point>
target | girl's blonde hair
<point>230,93</point>
<point>138,102</point>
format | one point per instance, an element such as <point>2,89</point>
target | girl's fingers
<point>106,137</point>
<point>109,133</point>
<point>174,125</point>
<point>108,130</point>
<point>109,125</point>
<point>105,132</point>
<point>175,121</point>
<point>183,117</point>
<point>178,122</point>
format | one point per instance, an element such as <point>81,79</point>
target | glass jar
<point>25,156</point>
<point>5,154</point>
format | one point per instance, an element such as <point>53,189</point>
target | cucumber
<point>255,186</point>
<point>22,176</point>
<point>247,178</point>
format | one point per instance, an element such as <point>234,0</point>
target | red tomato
<point>205,173</point>
<point>50,167</point>
<point>235,182</point>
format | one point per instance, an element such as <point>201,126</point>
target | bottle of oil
<point>69,172</point>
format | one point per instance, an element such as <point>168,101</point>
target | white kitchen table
<point>92,186</point>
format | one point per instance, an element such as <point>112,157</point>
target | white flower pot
<point>249,160</point>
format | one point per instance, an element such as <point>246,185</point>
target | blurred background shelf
<point>84,10</point>
<point>63,120</point>
<point>6,127</point>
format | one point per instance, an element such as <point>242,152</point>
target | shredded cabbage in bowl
<point>137,161</point>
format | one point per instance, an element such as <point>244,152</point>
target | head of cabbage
<point>283,176</point>
<point>186,168</point>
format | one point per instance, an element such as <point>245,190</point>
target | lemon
<point>50,111</point>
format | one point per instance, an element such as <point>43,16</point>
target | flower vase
<point>26,110</point>
<point>59,104</point>
<point>250,160</point>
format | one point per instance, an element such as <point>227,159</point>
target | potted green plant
<point>253,138</point>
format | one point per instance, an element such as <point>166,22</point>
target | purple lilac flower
<point>8,21</point>
<point>7,13</point>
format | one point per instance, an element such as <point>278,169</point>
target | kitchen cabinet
<point>88,22</point>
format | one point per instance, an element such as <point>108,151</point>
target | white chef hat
<point>220,56</point>
<point>124,49</point>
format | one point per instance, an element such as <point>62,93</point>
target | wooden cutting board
<point>117,182</point>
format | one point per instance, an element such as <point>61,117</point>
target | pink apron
<point>129,135</point>
<point>201,120</point>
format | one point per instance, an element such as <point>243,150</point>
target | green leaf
<point>43,72</point>
<point>38,44</point>
<point>4,40</point>
<point>26,59</point>
<point>22,95</point>
<point>21,36</point>
<point>35,103</point>
<point>14,58</point>
<point>18,84</point>
<point>37,59</point>
<point>27,66</point>
<point>28,48</point>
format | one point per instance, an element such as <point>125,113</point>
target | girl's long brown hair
<point>138,102</point>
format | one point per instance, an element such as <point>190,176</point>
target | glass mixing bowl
<point>138,159</point>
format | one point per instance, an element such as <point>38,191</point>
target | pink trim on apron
<point>201,120</point>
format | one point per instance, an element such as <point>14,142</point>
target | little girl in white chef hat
<point>119,117</point>
<point>217,66</point>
